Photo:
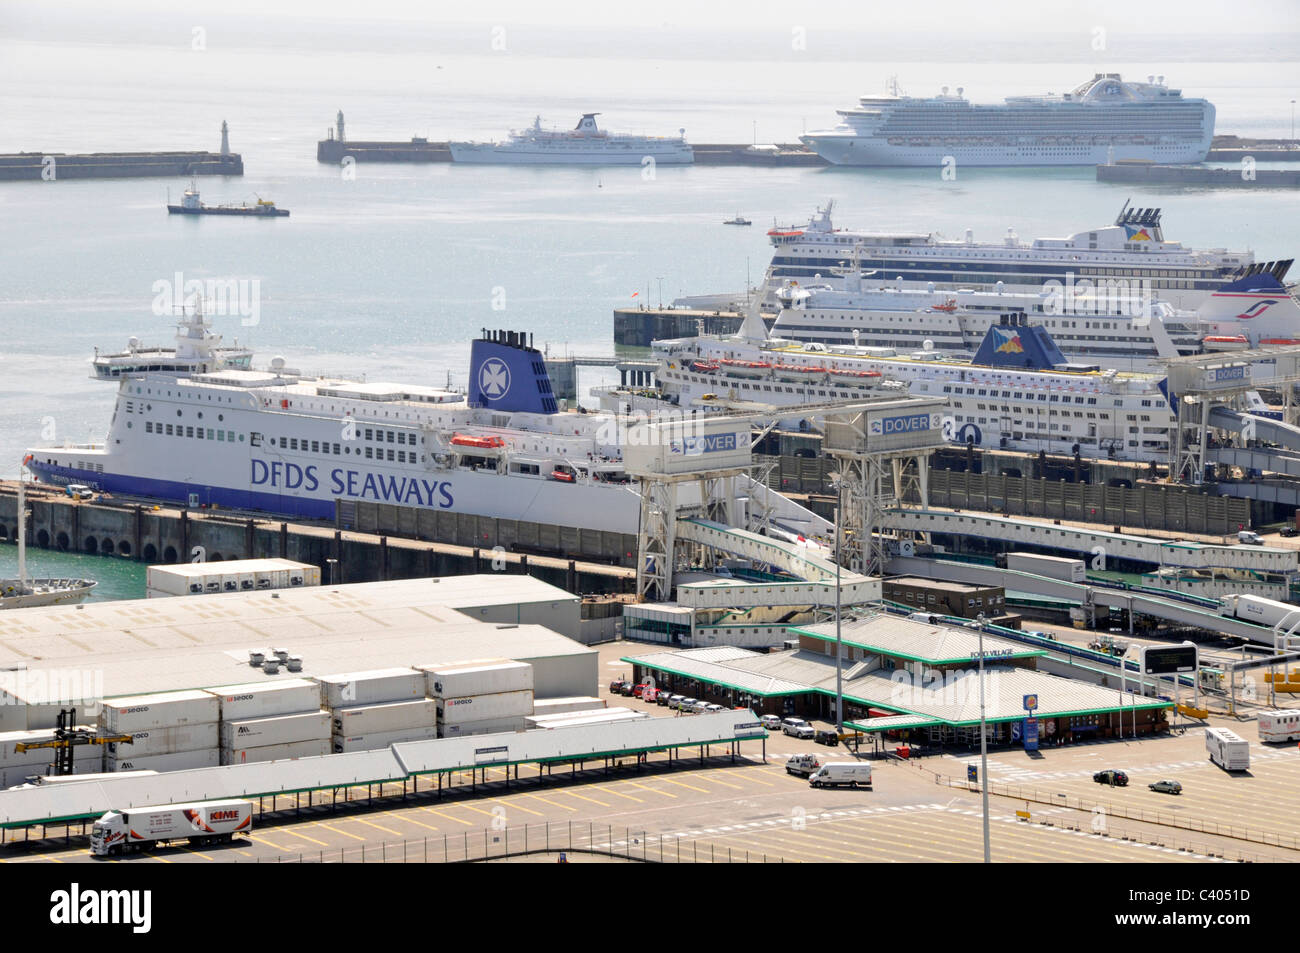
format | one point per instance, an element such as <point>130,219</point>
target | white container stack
<point>171,731</point>
<point>598,716</point>
<point>271,721</point>
<point>370,710</point>
<point>555,706</point>
<point>16,767</point>
<point>481,697</point>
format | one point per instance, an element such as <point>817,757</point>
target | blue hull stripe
<point>278,504</point>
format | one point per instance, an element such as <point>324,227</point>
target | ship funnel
<point>508,374</point>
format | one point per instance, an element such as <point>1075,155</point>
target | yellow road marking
<point>268,843</point>
<point>643,787</point>
<point>191,850</point>
<point>685,785</point>
<point>546,800</point>
<point>450,817</point>
<point>513,806</point>
<point>378,827</point>
<point>337,831</point>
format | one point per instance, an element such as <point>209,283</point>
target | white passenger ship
<point>585,144</point>
<point>189,427</point>
<point>1100,119</point>
<point>1133,251</point>
<point>1091,324</point>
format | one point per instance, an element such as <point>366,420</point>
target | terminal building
<point>909,680</point>
<point>964,600</point>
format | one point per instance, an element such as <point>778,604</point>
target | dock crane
<point>66,738</point>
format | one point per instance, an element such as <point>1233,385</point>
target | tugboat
<point>22,592</point>
<point>738,220</point>
<point>190,205</point>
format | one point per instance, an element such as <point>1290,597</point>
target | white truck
<point>1259,610</point>
<point>207,822</point>
<point>1279,726</point>
<point>853,774</point>
<point>1227,749</point>
<point>1053,567</point>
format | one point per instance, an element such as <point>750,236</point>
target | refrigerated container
<point>288,696</point>
<point>161,710</point>
<point>1054,567</point>
<point>367,688</point>
<point>179,761</point>
<point>485,727</point>
<point>11,758</point>
<point>381,739</point>
<point>276,730</point>
<point>153,741</point>
<point>556,706</point>
<point>294,749</point>
<point>480,707</point>
<point>385,716</point>
<point>490,677</point>
<point>573,719</point>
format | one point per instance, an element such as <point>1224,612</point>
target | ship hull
<point>250,211</point>
<point>867,151</point>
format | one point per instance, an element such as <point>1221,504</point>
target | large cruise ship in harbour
<point>585,144</point>
<point>1133,250</point>
<point>189,427</point>
<point>1101,120</point>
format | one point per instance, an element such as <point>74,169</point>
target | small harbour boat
<point>22,592</point>
<point>192,205</point>
<point>738,220</point>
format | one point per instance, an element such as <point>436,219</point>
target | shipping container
<point>166,741</point>
<point>598,717</point>
<point>367,688</point>
<point>556,706</point>
<point>381,739</point>
<point>180,761</point>
<point>236,575</point>
<point>161,710</point>
<point>278,730</point>
<point>296,749</point>
<point>485,727</point>
<point>479,707</point>
<point>288,696</point>
<point>1054,567</point>
<point>386,716</point>
<point>478,678</point>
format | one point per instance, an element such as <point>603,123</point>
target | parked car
<point>616,687</point>
<point>827,736</point>
<point>798,728</point>
<point>639,690</point>
<point>674,701</point>
<point>853,774</point>
<point>771,722</point>
<point>1288,531</point>
<point>802,765</point>
<point>700,707</point>
<point>662,696</point>
<point>713,708</point>
<point>1166,787</point>
<point>1112,777</point>
<point>687,704</point>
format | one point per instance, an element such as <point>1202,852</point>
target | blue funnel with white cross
<point>508,374</point>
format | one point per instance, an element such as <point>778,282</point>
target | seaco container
<point>487,726</point>
<point>452,711</point>
<point>382,739</point>
<point>278,730</point>
<point>478,678</point>
<point>162,710</point>
<point>179,761</point>
<point>152,741</point>
<point>294,749</point>
<point>367,688</point>
<point>385,716</point>
<point>287,696</point>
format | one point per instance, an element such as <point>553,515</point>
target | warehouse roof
<point>229,566</point>
<point>917,641</point>
<point>257,618</point>
<point>397,638</point>
<point>953,700</point>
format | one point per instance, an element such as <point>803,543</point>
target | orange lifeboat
<point>479,443</point>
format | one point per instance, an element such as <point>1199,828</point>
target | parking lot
<point>753,810</point>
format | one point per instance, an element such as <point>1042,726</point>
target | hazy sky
<point>946,16</point>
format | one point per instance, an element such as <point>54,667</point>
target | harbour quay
<point>28,166</point>
<point>1145,173</point>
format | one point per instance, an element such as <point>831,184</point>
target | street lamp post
<point>839,648</point>
<point>984,747</point>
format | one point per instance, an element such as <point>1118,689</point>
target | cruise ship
<point>1131,333</point>
<point>585,144</point>
<point>1132,250</point>
<point>1019,392</point>
<point>191,428</point>
<point>1103,119</point>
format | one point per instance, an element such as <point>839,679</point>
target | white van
<point>853,774</point>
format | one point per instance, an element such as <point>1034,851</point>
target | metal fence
<point>489,844</point>
<point>1232,831</point>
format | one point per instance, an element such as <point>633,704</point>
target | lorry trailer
<point>1279,726</point>
<point>1053,567</point>
<point>209,822</point>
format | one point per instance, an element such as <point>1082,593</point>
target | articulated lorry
<point>208,822</point>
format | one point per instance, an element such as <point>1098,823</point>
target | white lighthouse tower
<point>225,138</point>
